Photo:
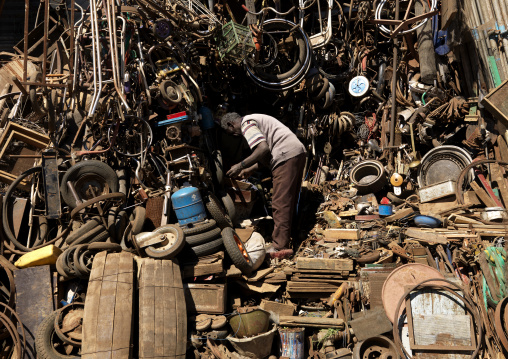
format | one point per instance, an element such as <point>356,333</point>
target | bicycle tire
<point>43,340</point>
<point>199,227</point>
<point>207,248</point>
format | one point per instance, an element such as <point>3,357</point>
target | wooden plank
<point>497,176</point>
<point>341,233</point>
<point>107,304</point>
<point>181,310</point>
<point>34,301</point>
<point>449,11</point>
<point>293,321</point>
<point>260,274</point>
<point>91,312</point>
<point>503,149</point>
<point>324,263</point>
<point>483,195</point>
<point>201,269</point>
<point>122,333</point>
<point>430,237</point>
<point>159,309</point>
<point>147,310</point>
<point>169,309</point>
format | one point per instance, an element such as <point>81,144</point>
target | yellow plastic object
<point>396,180</point>
<point>39,257</point>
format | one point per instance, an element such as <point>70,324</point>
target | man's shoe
<point>283,253</point>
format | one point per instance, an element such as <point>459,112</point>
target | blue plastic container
<point>385,209</point>
<point>188,205</point>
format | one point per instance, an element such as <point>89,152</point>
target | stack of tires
<point>211,236</point>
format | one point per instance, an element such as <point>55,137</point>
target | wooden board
<point>426,236</point>
<point>495,102</point>
<point>34,301</point>
<point>107,320</point>
<point>341,233</point>
<point>162,311</point>
<point>324,264</point>
<point>292,321</point>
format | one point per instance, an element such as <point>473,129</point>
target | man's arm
<point>260,154</point>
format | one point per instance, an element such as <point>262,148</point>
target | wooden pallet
<point>162,310</point>
<point>107,321</point>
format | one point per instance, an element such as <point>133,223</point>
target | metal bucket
<point>292,343</point>
<point>252,322</point>
<point>188,205</point>
<point>257,347</point>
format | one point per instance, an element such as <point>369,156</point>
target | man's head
<point>232,123</point>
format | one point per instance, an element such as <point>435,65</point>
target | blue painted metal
<point>207,122</point>
<point>426,221</point>
<point>188,205</point>
<point>385,209</point>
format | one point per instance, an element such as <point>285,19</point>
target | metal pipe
<point>486,16</point>
<point>110,11</point>
<point>76,47</point>
<point>393,118</point>
<point>501,18</point>
<point>91,111</point>
<point>93,14</point>
<point>45,42</point>
<point>480,41</point>
<point>122,52</point>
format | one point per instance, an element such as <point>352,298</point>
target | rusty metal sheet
<point>372,323</point>
<point>34,301</point>
<point>205,298</point>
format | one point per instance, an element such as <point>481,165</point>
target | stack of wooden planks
<point>317,277</point>
<point>162,310</point>
<point>107,321</point>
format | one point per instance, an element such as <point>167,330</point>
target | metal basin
<point>249,322</point>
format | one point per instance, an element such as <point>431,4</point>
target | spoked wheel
<point>134,136</point>
<point>284,58</point>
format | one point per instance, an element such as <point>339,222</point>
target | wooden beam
<point>324,263</point>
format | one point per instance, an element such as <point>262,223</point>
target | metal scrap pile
<point>122,237</point>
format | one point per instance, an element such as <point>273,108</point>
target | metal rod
<point>25,40</point>
<point>394,81</point>
<point>45,42</point>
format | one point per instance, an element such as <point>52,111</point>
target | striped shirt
<point>283,143</point>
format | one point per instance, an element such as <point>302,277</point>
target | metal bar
<point>45,43</point>
<point>394,81</point>
<point>71,29</point>
<point>25,37</point>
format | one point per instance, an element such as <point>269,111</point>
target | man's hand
<point>235,170</point>
<point>246,173</point>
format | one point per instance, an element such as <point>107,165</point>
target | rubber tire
<point>43,345</point>
<point>83,230</point>
<point>87,236</point>
<point>101,246</point>
<point>172,251</point>
<point>199,227</point>
<point>202,238</point>
<point>208,248</point>
<point>138,220</point>
<point>86,167</point>
<point>217,212</point>
<point>218,166</point>
<point>234,252</point>
<point>229,205</point>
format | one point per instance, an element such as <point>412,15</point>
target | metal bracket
<point>51,186</point>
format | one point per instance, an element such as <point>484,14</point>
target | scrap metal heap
<point>122,237</point>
